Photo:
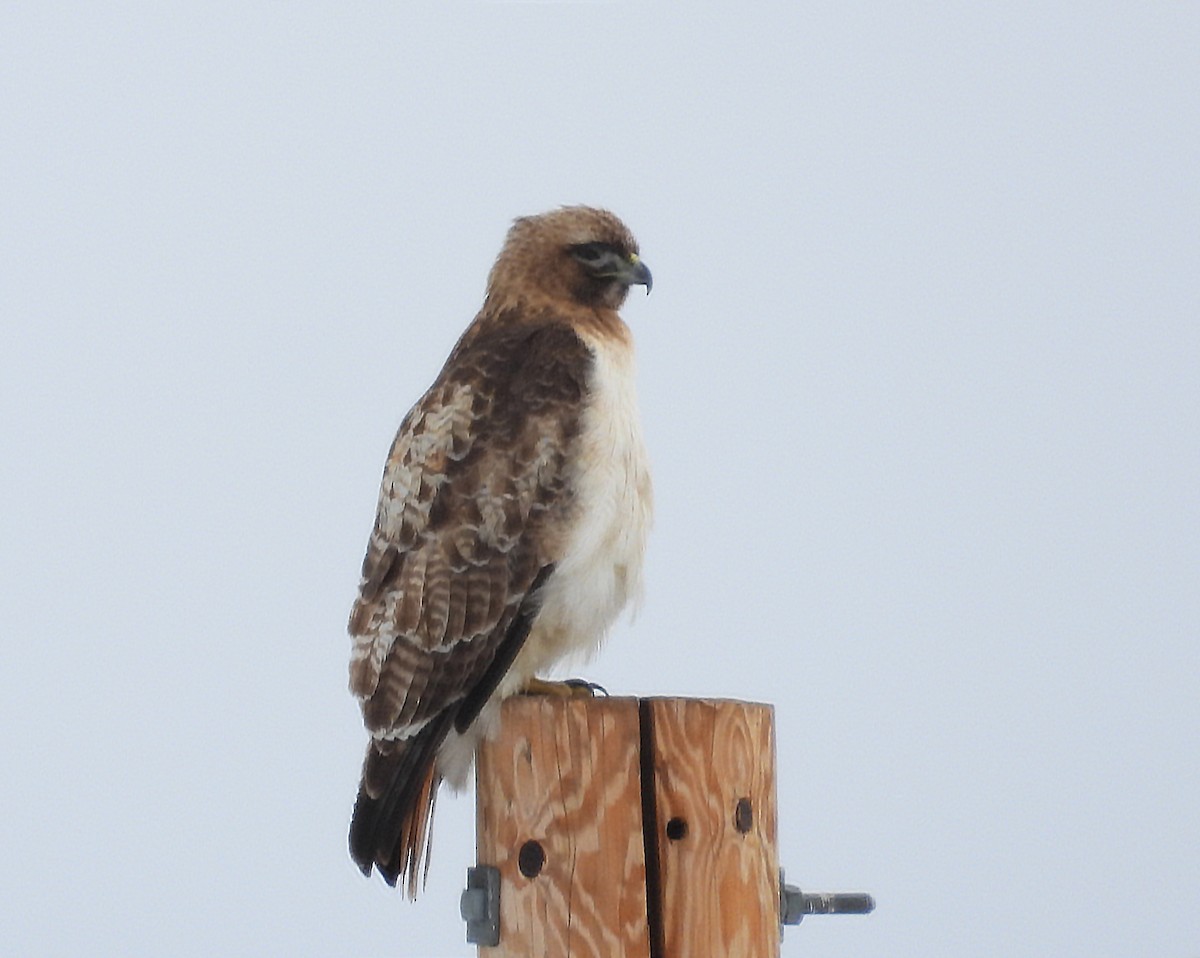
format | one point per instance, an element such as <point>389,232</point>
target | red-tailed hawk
<point>511,524</point>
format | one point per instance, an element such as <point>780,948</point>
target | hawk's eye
<point>592,254</point>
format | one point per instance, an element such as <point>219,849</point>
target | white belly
<point>600,571</point>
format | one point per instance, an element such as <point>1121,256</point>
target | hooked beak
<point>638,274</point>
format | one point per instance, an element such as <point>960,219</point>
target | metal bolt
<point>795,904</point>
<point>480,905</point>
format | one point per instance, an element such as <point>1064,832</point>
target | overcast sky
<point>919,378</point>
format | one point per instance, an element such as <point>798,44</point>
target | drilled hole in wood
<point>676,829</point>
<point>531,858</point>
<point>743,816</point>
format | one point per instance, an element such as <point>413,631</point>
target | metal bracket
<point>795,904</point>
<point>480,905</point>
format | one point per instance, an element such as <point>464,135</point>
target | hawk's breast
<point>600,568</point>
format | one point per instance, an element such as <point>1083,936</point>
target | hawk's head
<point>577,253</point>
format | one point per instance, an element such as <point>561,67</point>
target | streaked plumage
<point>511,522</point>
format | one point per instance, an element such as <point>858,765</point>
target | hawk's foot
<point>567,689</point>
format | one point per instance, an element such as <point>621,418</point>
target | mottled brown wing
<point>472,505</point>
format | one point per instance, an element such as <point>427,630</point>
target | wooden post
<point>627,828</point>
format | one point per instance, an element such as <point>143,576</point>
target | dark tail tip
<point>391,830</point>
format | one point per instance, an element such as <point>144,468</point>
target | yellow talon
<point>562,690</point>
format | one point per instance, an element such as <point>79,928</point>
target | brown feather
<point>474,504</point>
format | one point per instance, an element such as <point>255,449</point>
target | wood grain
<point>564,774</point>
<point>567,775</point>
<point>719,884</point>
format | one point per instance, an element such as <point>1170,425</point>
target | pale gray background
<point>919,378</point>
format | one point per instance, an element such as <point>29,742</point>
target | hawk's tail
<point>393,816</point>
